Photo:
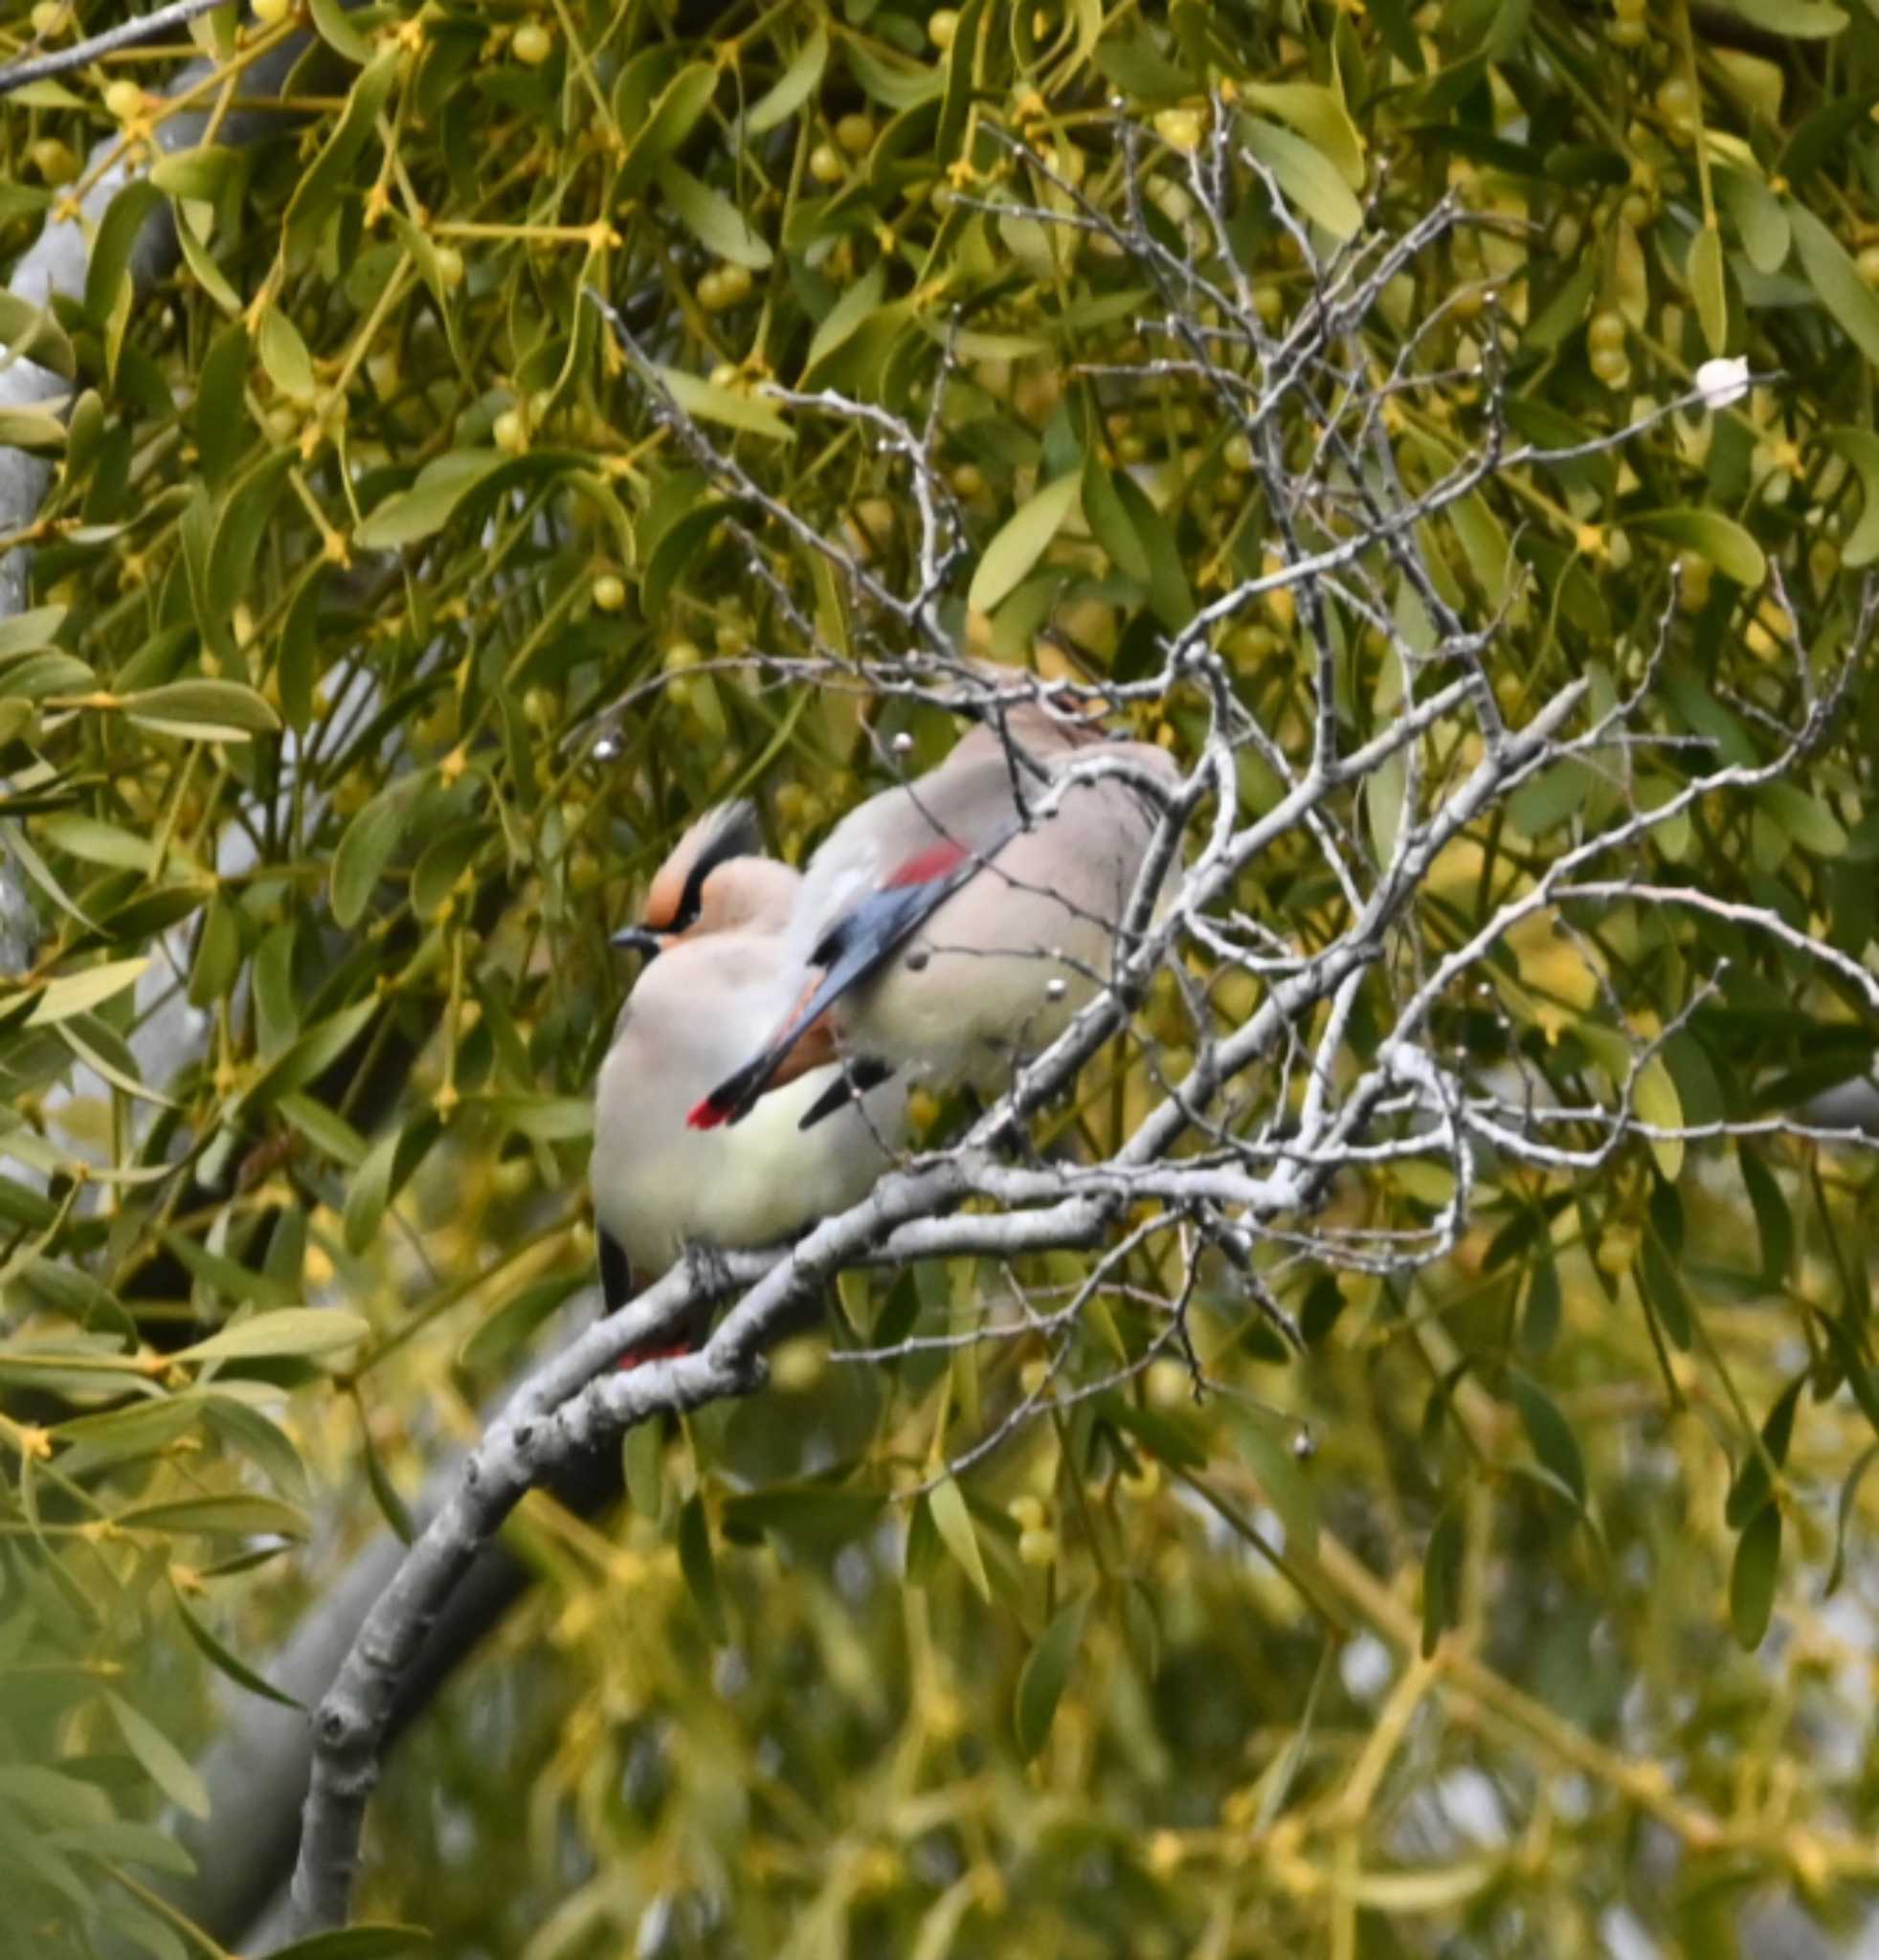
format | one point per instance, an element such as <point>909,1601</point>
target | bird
<point>945,928</point>
<point>713,930</point>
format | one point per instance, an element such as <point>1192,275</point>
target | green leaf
<point>1023,539</point>
<point>713,220</point>
<point>1041,1680</point>
<point>1319,116</point>
<point>1711,535</point>
<point>200,174</point>
<point>222,1661</point>
<point>1774,1222</point>
<point>1836,278</point>
<point>34,628</point>
<point>380,1178</point>
<point>32,429</point>
<point>1442,1577</point>
<point>1759,218</point>
<point>1282,1478</point>
<point>846,316</point>
<point>410,516</point>
<point>1703,270</point>
<point>707,402</point>
<point>313,1053</point>
<point>107,270</point>
<point>1800,20</point>
<point>322,180</point>
<point>284,358</point>
<point>1550,1434</point>
<point>231,1516</point>
<point>820,1513</point>
<point>331,24</point>
<point>1108,522</point>
<point>1752,1575</point>
<point>700,1567</point>
<point>494,1339</point>
<point>792,88</point>
<point>1805,818</point>
<point>1169,596</point>
<point>391,1507</point>
<point>954,1522</point>
<point>165,1765</point>
<point>895,83</point>
<point>671,119</point>
<point>201,710</point>
<point>97,842</point>
<point>29,333</point>
<point>1654,1097</point>
<point>219,416</point>
<point>289,1330</point>
<point>367,849</point>
<point>1845,1513</point>
<point>1861,448</point>
<point>1307,176</point>
<point>78,993</point>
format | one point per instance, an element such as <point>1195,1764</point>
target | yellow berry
<point>53,160</point>
<point>1611,367</point>
<point>610,592</point>
<point>1027,1513</point>
<point>509,432</point>
<point>1606,332</point>
<point>1238,454</point>
<point>734,283</point>
<point>942,25</point>
<point>680,654</point>
<point>1676,100</point>
<point>270,12</point>
<point>450,266</point>
<point>1868,264</point>
<point>1636,209</point>
<point>124,100</point>
<point>1628,33</point>
<point>825,164</point>
<point>855,133</point>
<point>709,292</point>
<point>968,480</point>
<point>1037,1547</point>
<point>50,17</point>
<point>532,43</point>
<point>1179,128</point>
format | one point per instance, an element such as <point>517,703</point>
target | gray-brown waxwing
<point>714,929</point>
<point>945,928</point>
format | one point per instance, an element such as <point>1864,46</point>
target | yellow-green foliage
<point>385,640</point>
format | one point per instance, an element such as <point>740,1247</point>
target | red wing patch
<point>928,865</point>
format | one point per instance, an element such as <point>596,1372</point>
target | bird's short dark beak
<point>640,938</point>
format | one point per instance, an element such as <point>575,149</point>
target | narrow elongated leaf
<point>221,1659</point>
<point>167,1768</point>
<point>1832,274</point>
<point>699,1565</point>
<point>325,178</point>
<point>289,1330</point>
<point>712,219</point>
<point>1306,175</point>
<point>1711,535</point>
<point>792,88</point>
<point>1041,1681</point>
<point>954,1522</point>
<point>1751,1576</point>
<point>709,403</point>
<point>1023,540</point>
<point>78,993</point>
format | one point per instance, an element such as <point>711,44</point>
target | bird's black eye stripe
<point>736,835</point>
